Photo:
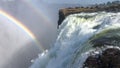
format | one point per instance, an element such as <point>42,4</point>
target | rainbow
<point>35,7</point>
<point>20,25</point>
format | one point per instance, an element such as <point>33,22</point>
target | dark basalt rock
<point>61,17</point>
<point>110,58</point>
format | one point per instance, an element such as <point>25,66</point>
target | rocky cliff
<point>110,57</point>
<point>109,7</point>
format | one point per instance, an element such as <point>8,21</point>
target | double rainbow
<point>20,25</point>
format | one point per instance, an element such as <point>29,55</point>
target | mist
<point>41,18</point>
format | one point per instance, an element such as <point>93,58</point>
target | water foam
<point>73,39</point>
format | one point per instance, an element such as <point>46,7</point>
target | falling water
<point>78,34</point>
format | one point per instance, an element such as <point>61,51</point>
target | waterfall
<point>78,37</point>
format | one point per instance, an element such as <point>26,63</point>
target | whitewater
<point>74,42</point>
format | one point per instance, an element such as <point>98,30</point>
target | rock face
<point>61,17</point>
<point>110,58</point>
<point>113,7</point>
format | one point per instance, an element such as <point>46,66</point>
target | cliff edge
<point>109,7</point>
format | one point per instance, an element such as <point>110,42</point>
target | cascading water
<point>79,36</point>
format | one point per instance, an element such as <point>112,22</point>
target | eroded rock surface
<point>110,58</point>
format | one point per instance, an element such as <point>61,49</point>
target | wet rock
<point>61,17</point>
<point>110,58</point>
<point>92,62</point>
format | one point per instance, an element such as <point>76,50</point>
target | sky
<point>76,1</point>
